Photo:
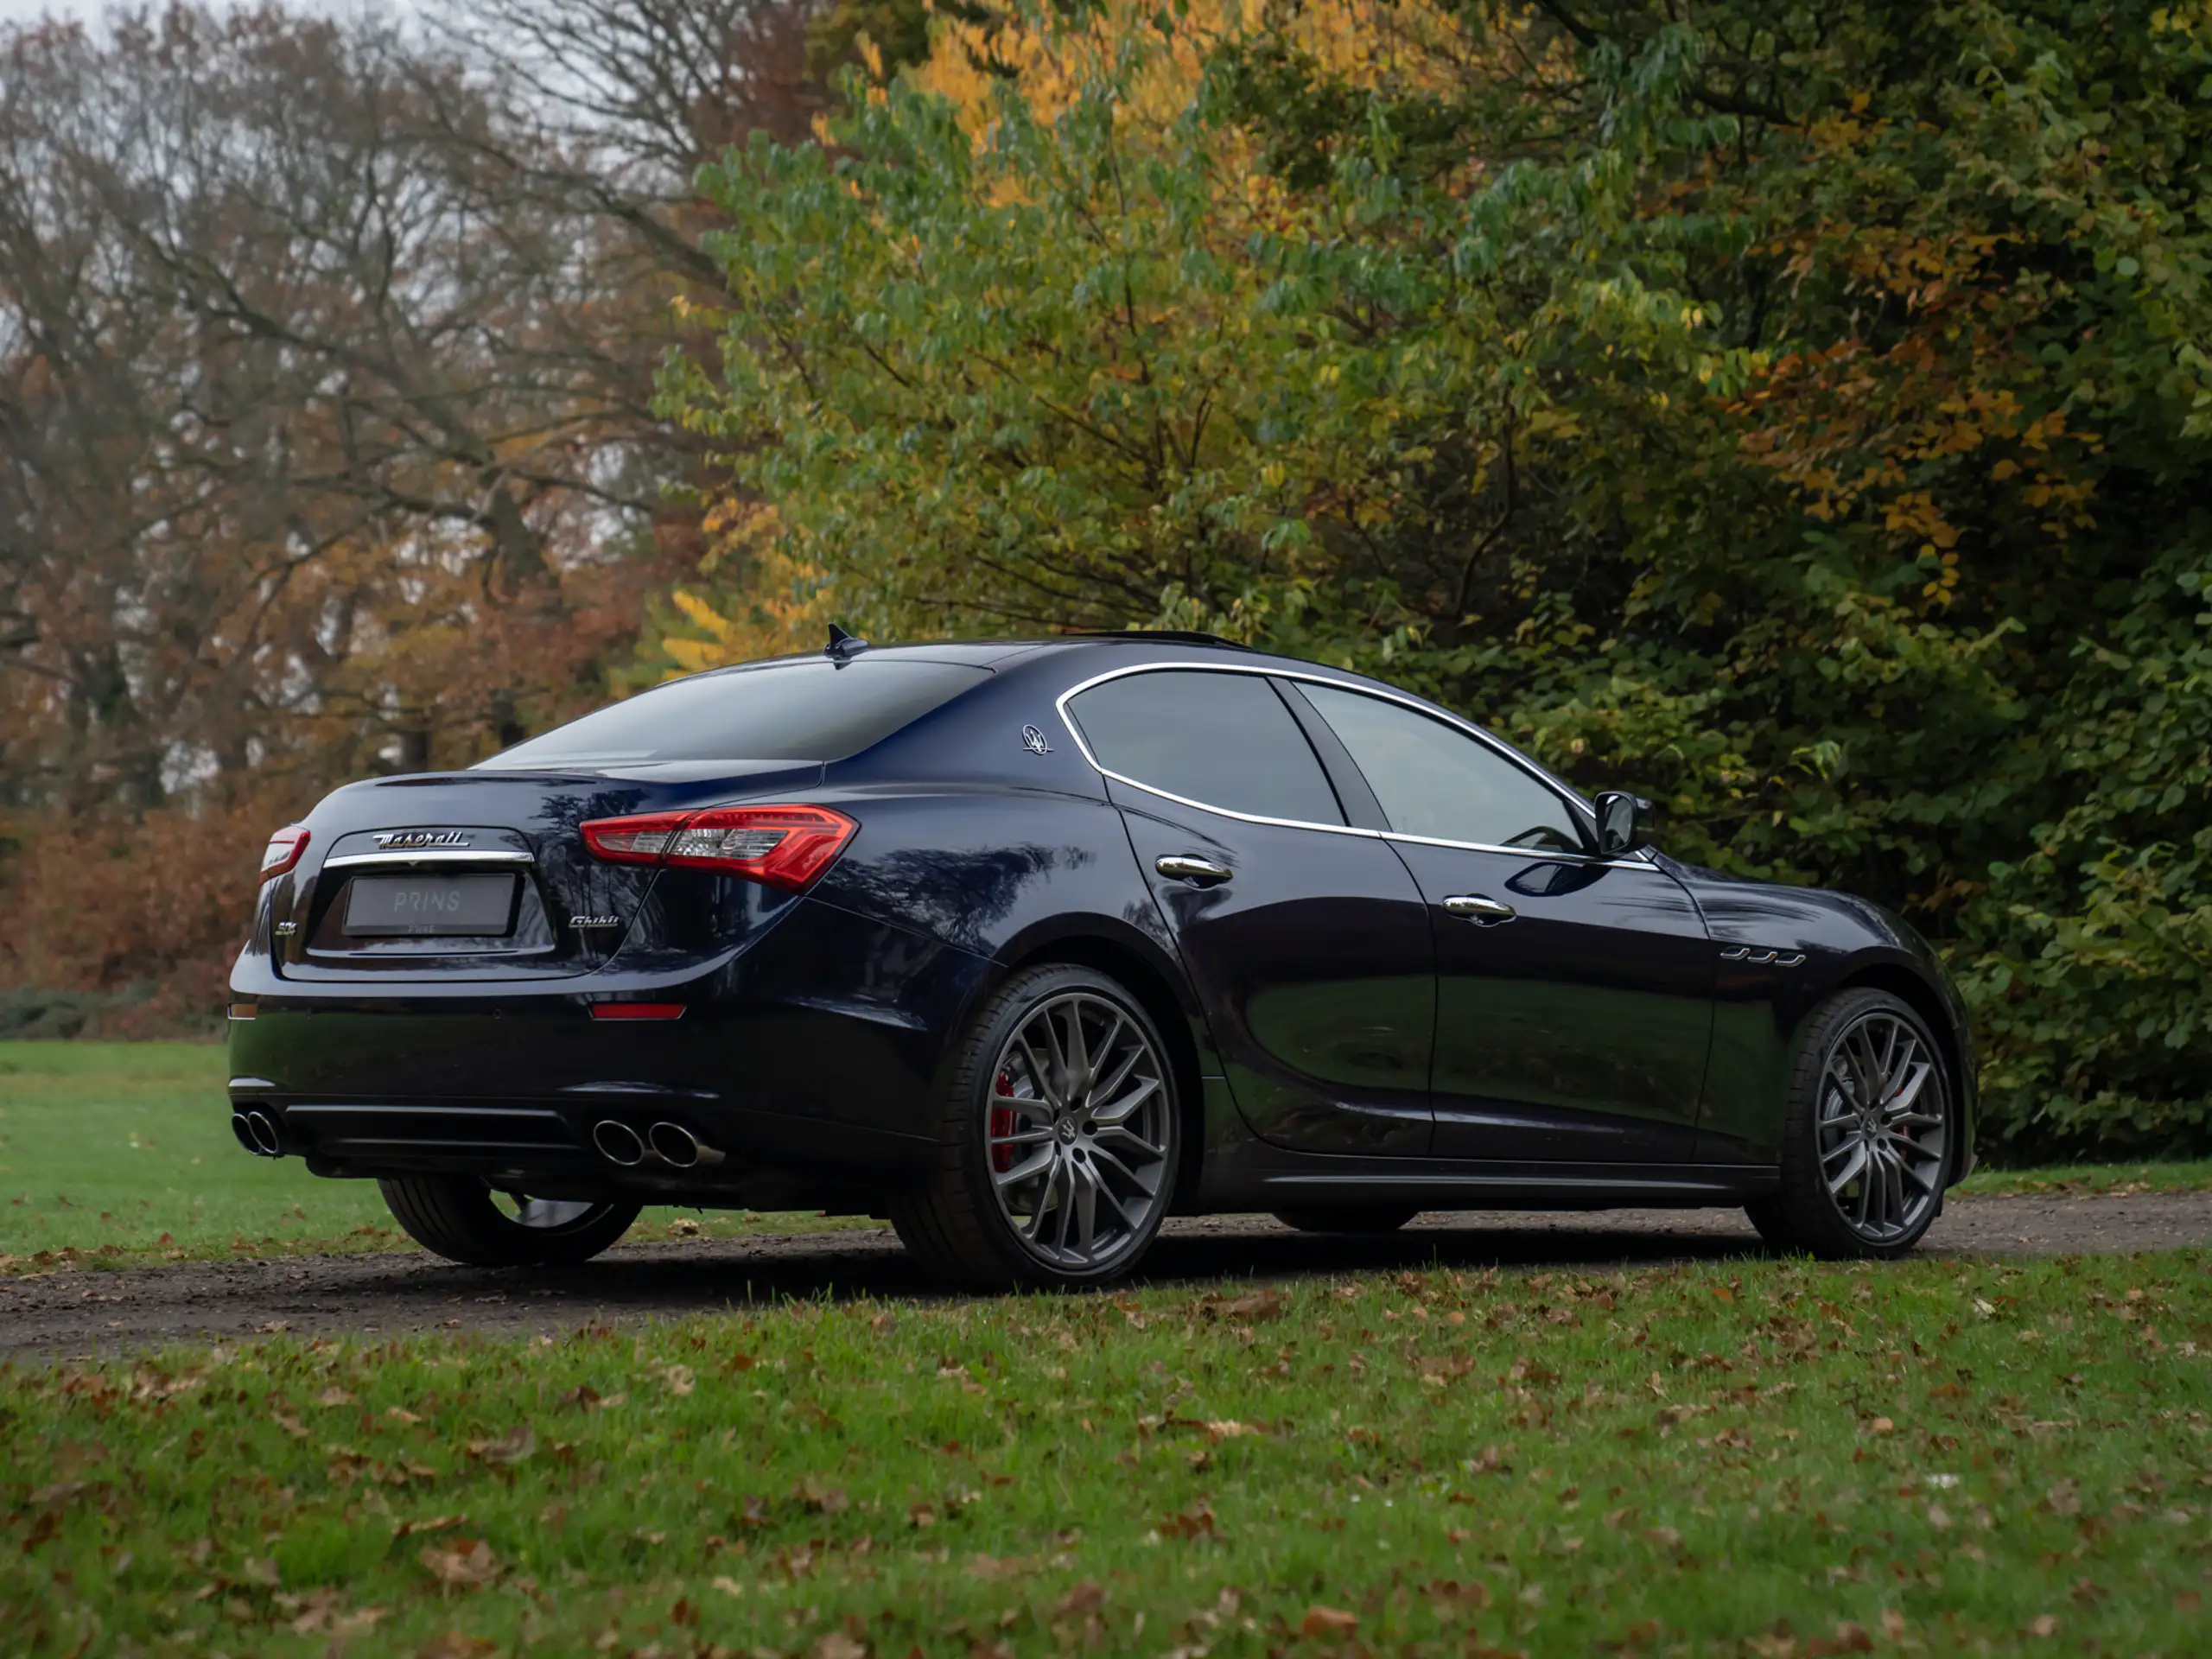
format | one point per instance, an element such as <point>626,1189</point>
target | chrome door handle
<point>1477,909</point>
<point>1184,867</point>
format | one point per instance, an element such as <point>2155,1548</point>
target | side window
<point>1221,739</point>
<point>1434,780</point>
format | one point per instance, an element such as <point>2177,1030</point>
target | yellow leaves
<point>702,615</point>
<point>787,603</point>
<point>1056,59</point>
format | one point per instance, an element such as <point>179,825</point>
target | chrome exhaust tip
<point>618,1143</point>
<point>244,1131</point>
<point>679,1148</point>
<point>261,1129</point>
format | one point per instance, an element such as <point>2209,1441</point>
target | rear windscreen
<point>807,710</point>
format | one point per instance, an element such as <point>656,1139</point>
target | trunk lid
<point>485,874</point>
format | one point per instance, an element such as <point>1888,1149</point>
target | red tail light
<point>783,846</point>
<point>284,850</point>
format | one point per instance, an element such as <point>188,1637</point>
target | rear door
<point>1306,939</point>
<point>1573,993</point>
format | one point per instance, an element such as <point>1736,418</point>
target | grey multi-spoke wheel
<point>466,1219</point>
<point>1059,1142</point>
<point>1866,1147</point>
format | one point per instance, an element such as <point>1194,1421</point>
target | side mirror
<point>1620,821</point>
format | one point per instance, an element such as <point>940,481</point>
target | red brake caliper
<point>1001,1126</point>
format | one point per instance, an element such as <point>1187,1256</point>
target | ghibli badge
<point>594,921</point>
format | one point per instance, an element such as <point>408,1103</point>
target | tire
<point>1867,1143</point>
<point>1027,1154</point>
<point>1357,1218</point>
<point>461,1217</point>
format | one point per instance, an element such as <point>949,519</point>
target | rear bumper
<point>753,1159</point>
<point>813,1054</point>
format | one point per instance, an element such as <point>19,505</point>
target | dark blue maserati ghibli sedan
<point>1030,946</point>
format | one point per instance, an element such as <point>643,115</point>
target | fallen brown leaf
<point>1086,1598</point>
<point>1188,1524</point>
<point>510,1447</point>
<point>465,1564</point>
<point>1260,1305</point>
<point>1328,1621</point>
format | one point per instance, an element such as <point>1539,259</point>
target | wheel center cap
<point>1067,1131</point>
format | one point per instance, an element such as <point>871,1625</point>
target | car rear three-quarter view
<point>1027,946</point>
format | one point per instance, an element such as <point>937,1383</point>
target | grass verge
<point>2091,1180</point>
<point>121,1153</point>
<point>1762,1459</point>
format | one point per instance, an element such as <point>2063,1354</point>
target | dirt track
<point>62,1313</point>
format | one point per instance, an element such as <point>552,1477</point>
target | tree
<point>1798,412</point>
<point>326,359</point>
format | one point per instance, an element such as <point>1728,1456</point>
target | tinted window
<point>1432,779</point>
<point>808,710</point>
<point>1223,739</point>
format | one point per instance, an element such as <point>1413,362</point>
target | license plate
<point>417,906</point>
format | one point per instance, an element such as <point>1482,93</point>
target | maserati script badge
<point>1033,740</point>
<point>402,840</point>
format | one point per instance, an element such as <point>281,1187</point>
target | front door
<point>1574,1006</point>
<point>1308,944</point>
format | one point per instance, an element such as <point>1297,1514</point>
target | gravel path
<point>67,1313</point>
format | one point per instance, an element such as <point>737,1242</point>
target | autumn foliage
<point>1796,412</point>
<point>327,349</point>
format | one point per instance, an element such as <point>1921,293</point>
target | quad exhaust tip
<point>257,1133</point>
<point>679,1148</point>
<point>618,1143</point>
<point>664,1143</point>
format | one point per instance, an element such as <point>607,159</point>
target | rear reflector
<point>284,850</point>
<point>244,1010</point>
<point>637,1010</point>
<point>785,847</point>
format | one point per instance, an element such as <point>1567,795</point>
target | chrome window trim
<point>433,856</point>
<point>1636,860</point>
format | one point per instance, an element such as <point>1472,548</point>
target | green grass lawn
<point>1757,1459</point>
<point>122,1153</point>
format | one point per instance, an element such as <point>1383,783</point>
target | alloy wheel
<point>543,1215</point>
<point>1881,1126</point>
<point>1077,1136</point>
